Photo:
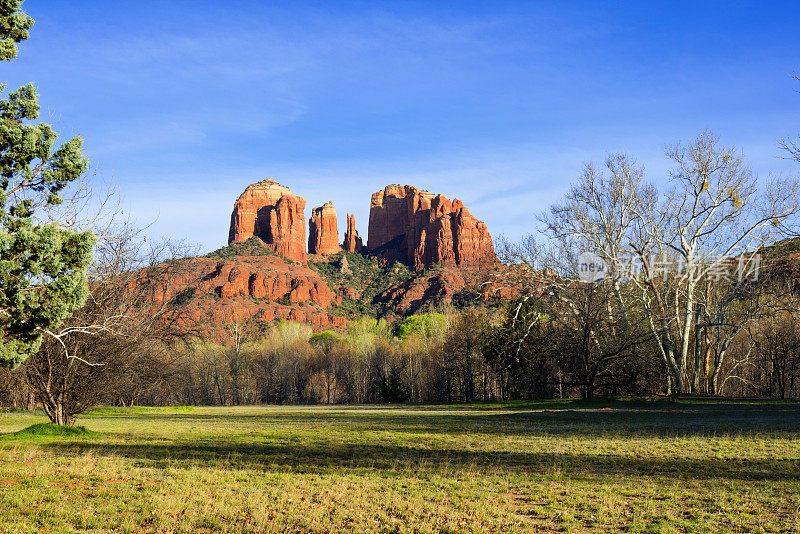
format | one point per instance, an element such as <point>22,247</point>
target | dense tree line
<point>456,356</point>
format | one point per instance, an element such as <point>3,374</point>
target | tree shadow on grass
<point>398,460</point>
<point>652,420</point>
<point>683,421</point>
<point>332,441</point>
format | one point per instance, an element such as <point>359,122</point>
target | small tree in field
<point>42,266</point>
<point>115,344</point>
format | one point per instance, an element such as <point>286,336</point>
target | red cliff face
<point>271,212</point>
<point>352,243</point>
<point>323,232</point>
<point>261,288</point>
<point>421,229</point>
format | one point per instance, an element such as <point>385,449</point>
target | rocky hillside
<point>422,250</point>
<point>780,262</point>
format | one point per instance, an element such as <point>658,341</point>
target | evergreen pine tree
<point>42,267</point>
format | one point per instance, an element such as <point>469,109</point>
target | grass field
<point>551,466</point>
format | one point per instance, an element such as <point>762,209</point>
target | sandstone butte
<point>323,231</point>
<point>421,229</point>
<point>406,224</point>
<point>352,243</point>
<point>271,212</point>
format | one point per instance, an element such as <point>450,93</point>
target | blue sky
<point>183,104</point>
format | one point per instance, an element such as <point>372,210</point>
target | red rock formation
<point>237,279</point>
<point>323,232</point>
<point>246,282</point>
<point>261,288</point>
<point>422,229</point>
<point>271,212</point>
<point>352,243</point>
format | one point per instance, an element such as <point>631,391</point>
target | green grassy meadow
<point>549,466</point>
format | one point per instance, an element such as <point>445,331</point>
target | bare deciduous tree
<point>660,249</point>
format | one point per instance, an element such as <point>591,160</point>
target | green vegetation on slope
<point>781,249</point>
<point>366,277</point>
<point>252,247</point>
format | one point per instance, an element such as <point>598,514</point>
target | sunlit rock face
<point>421,228</point>
<point>271,212</point>
<point>323,231</point>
